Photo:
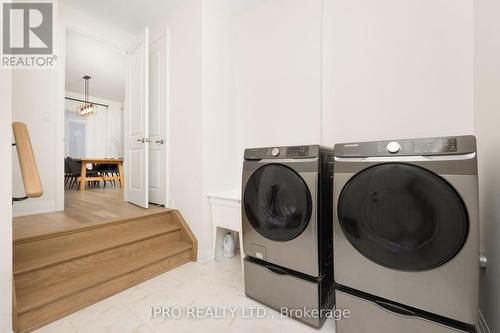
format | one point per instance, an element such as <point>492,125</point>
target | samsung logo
<point>351,145</point>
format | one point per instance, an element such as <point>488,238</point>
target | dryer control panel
<point>408,147</point>
<point>291,152</point>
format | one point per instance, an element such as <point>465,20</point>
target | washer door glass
<point>277,202</point>
<point>402,216</point>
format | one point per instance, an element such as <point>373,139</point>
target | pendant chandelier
<point>87,109</point>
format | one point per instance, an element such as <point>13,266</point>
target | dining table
<point>94,161</point>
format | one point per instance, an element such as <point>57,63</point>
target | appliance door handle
<point>276,270</point>
<point>395,309</point>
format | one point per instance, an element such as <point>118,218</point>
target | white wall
<point>218,97</point>
<point>327,71</point>
<point>487,116</point>
<point>186,148</point>
<point>277,50</point>
<point>397,69</point>
<point>104,130</point>
<point>333,71</point>
<point>34,102</point>
<point>85,55</point>
<point>92,25</point>
<point>5,203</point>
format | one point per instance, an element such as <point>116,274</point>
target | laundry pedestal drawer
<point>366,317</point>
<point>278,288</point>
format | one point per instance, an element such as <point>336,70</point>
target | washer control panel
<point>409,147</point>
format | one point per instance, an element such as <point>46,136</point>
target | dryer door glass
<point>403,216</point>
<point>277,202</point>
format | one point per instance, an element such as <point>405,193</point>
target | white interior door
<point>136,157</point>
<point>158,121</point>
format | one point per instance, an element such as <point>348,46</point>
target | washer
<point>286,207</point>
<point>288,229</point>
<point>406,228</point>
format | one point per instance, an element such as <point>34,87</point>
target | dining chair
<point>107,170</point>
<point>67,172</point>
<point>75,169</point>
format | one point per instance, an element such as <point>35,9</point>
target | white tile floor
<point>218,283</point>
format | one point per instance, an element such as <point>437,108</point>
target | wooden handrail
<point>29,170</point>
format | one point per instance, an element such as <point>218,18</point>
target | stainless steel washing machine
<point>285,208</point>
<point>406,230</point>
<point>288,227</point>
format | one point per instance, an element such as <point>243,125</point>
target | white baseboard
<point>204,256</point>
<point>33,206</point>
<point>483,326</point>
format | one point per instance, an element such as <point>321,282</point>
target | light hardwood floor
<point>81,209</point>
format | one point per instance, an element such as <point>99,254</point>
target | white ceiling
<point>106,66</point>
<point>128,15</point>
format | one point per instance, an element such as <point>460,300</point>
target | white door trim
<point>168,197</point>
<point>60,118</point>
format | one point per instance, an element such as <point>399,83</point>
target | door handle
<point>276,270</point>
<point>395,309</point>
<point>160,141</point>
<point>141,140</point>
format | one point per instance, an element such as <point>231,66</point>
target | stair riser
<point>69,277</point>
<point>34,319</point>
<point>36,254</point>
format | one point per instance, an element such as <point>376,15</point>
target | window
<point>76,136</point>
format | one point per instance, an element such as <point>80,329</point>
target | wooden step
<point>39,253</point>
<point>42,316</point>
<point>57,274</point>
<point>38,288</point>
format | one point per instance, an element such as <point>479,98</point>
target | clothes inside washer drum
<point>277,202</point>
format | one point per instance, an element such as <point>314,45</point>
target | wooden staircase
<point>57,274</point>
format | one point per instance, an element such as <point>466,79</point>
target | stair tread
<point>40,253</point>
<point>37,299</point>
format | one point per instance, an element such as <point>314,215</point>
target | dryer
<point>406,230</point>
